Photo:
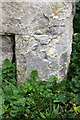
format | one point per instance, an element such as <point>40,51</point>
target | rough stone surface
<point>43,37</point>
<point>6,48</point>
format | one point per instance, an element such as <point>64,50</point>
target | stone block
<point>43,37</point>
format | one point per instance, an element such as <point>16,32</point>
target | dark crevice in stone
<point>13,41</point>
<point>14,55</point>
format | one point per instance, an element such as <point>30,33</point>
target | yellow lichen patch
<point>22,72</point>
<point>55,11</point>
<point>50,52</point>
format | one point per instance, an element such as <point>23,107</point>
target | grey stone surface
<point>6,47</point>
<point>43,36</point>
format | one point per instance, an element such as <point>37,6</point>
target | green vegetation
<point>77,18</point>
<point>8,72</point>
<point>37,100</point>
<point>74,70</point>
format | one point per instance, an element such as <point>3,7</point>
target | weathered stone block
<point>43,36</point>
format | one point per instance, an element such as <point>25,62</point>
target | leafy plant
<point>38,99</point>
<point>76,21</point>
<point>8,72</point>
<point>74,70</point>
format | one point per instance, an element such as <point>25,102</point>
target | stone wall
<point>43,37</point>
